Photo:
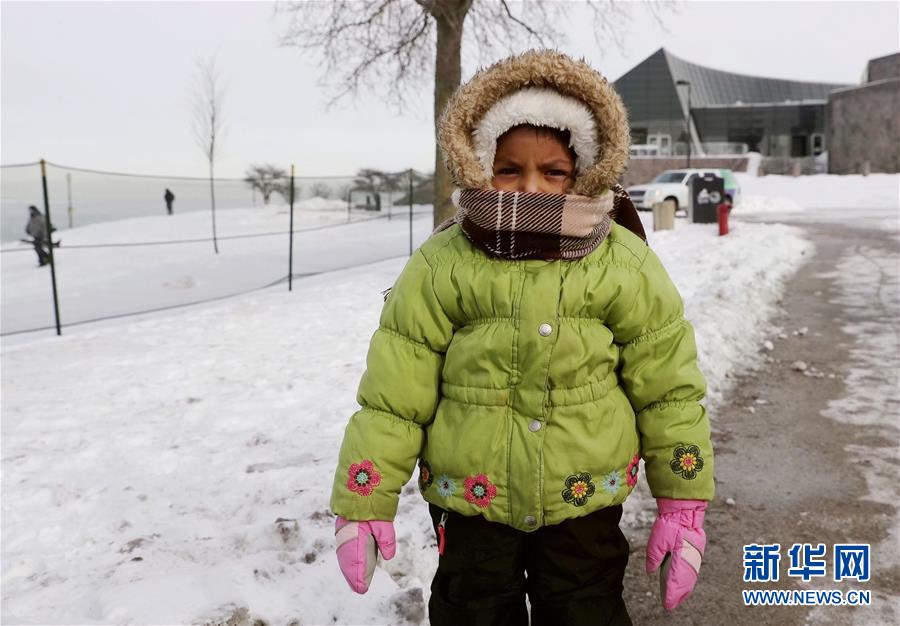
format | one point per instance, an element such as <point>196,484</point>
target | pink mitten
<point>356,544</point>
<point>677,542</point>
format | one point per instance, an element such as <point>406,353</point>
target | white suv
<point>676,185</point>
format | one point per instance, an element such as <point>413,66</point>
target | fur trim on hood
<point>537,107</point>
<point>469,107</point>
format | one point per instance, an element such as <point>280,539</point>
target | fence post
<point>410,212</point>
<point>50,245</point>
<point>291,238</point>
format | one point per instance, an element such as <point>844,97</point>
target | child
<point>528,356</point>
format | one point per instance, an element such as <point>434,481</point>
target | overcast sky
<point>108,85</point>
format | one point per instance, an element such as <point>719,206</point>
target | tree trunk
<point>449,15</point>
<point>212,198</point>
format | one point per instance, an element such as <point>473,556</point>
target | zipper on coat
<point>442,529</point>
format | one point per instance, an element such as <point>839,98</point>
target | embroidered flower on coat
<point>446,485</point>
<point>686,461</point>
<point>612,482</point>
<point>479,490</point>
<point>425,475</point>
<point>631,472</point>
<point>578,489</point>
<point>363,478</point>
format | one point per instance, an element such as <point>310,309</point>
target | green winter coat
<point>527,390</point>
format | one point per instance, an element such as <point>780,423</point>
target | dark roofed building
<point>729,113</point>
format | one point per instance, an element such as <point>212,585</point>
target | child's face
<point>532,159</point>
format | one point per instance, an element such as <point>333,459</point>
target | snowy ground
<point>176,469</point>
<point>840,197</point>
<point>110,281</point>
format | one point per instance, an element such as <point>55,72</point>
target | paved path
<point>809,456</point>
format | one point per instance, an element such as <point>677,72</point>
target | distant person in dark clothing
<point>37,229</point>
<point>170,198</point>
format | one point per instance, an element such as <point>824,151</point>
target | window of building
<point>799,145</point>
<point>662,141</point>
<point>639,136</point>
<point>817,143</point>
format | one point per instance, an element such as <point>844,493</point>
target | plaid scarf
<point>522,225</point>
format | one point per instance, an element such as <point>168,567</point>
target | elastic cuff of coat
<point>670,505</point>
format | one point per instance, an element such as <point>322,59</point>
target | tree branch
<point>428,5</point>
<point>531,32</point>
<point>387,46</point>
<point>381,45</point>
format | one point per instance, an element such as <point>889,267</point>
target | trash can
<point>664,215</point>
<point>707,192</point>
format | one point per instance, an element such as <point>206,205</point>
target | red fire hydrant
<point>722,212</point>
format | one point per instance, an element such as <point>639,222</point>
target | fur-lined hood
<point>545,69</point>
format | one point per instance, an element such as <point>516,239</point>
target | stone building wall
<point>884,68</point>
<point>863,129</point>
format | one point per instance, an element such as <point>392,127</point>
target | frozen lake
<point>104,197</point>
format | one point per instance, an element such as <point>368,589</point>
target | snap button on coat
<point>534,426</point>
<point>545,330</point>
<point>530,520</point>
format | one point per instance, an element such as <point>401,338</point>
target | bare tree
<point>390,46</point>
<point>283,189</point>
<point>266,179</point>
<point>208,123</point>
<point>371,181</point>
<point>321,189</point>
<point>343,191</point>
<point>420,184</point>
<point>393,182</point>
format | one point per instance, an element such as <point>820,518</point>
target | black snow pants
<point>574,572</point>
<point>41,251</point>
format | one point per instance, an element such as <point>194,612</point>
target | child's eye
<point>556,173</point>
<point>506,171</point>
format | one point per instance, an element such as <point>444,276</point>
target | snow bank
<point>754,205</point>
<point>730,286</point>
<point>321,204</point>
<point>108,281</point>
<point>820,191</point>
<point>754,160</point>
<point>177,469</point>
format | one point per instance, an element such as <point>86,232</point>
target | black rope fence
<point>172,307</point>
<point>14,165</point>
<point>152,310</point>
<point>84,246</point>
<point>204,179</point>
